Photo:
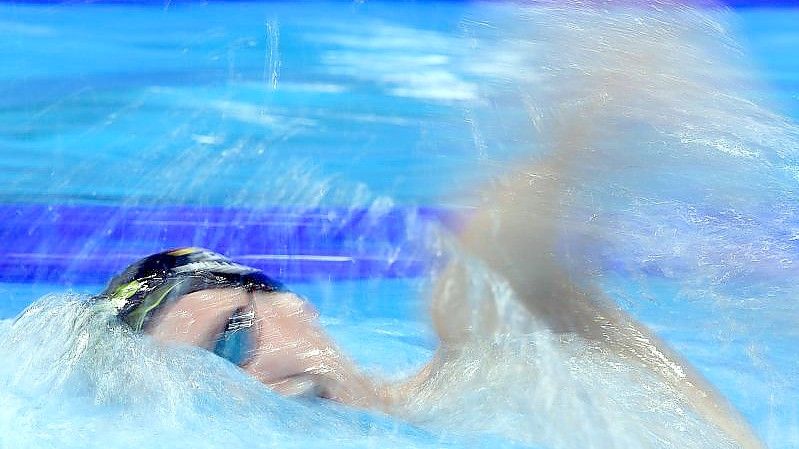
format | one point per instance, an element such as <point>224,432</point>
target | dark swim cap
<point>149,284</point>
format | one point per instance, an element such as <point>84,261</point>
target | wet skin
<point>292,354</point>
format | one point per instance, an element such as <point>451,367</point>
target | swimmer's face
<point>289,350</point>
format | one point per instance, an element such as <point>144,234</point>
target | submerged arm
<point>515,234</point>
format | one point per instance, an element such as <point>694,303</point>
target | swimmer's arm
<point>515,238</point>
<point>523,218</point>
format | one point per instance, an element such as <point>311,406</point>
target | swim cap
<point>149,284</point>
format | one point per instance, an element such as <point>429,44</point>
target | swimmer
<point>200,298</point>
<point>197,297</point>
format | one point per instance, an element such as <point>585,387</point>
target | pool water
<point>353,118</point>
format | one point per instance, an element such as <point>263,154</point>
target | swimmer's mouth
<point>300,385</point>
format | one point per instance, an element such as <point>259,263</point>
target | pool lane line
<point>88,243</point>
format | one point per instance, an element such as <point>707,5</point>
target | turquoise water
<point>360,104</point>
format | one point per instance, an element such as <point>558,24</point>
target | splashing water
<point>653,157</point>
<point>73,377</point>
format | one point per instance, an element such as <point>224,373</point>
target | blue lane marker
<point>89,243</point>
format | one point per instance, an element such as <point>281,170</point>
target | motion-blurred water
<point>679,202</point>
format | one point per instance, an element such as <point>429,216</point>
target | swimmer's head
<point>143,288</point>
<point>197,297</point>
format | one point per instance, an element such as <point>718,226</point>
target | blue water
<point>364,103</point>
